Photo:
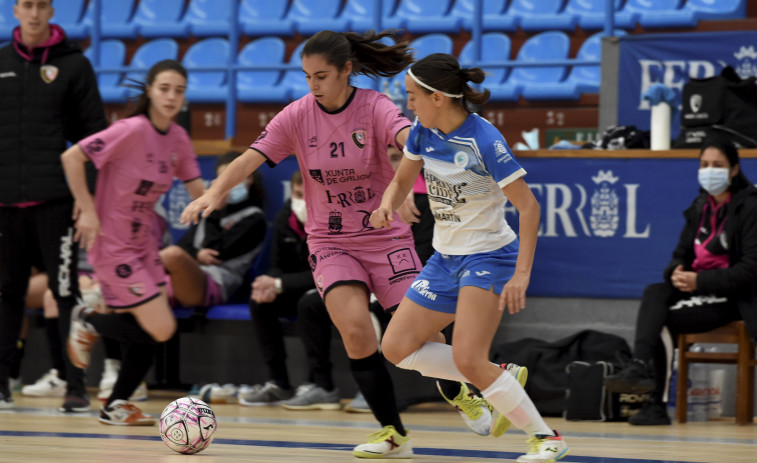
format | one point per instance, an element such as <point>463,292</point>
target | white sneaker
<point>49,385</point>
<point>501,423</point>
<point>476,412</point>
<point>122,413</point>
<point>81,337</point>
<point>219,394</point>
<point>140,393</point>
<point>109,377</point>
<point>387,443</point>
<point>545,448</point>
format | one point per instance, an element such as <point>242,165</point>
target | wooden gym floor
<point>36,432</point>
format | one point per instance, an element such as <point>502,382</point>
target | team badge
<point>48,73</point>
<point>461,159</point>
<point>358,136</point>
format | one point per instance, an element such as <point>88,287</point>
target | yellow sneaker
<point>500,423</point>
<point>387,443</point>
<point>476,412</point>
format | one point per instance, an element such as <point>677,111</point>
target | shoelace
<point>471,405</point>
<point>534,443</point>
<point>380,436</point>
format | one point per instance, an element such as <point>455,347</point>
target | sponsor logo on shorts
<point>482,273</point>
<point>137,289</point>
<point>313,262</point>
<point>421,287</point>
<point>319,283</point>
<point>402,261</point>
<point>123,271</point>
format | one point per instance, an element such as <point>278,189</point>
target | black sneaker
<point>76,402</point>
<point>651,414</point>
<point>634,378</point>
<point>6,400</point>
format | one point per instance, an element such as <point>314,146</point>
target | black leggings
<point>662,305</point>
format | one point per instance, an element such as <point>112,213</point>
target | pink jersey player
<point>340,136</point>
<point>137,164</point>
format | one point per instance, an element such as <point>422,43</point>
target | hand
<point>263,289</point>
<point>408,211</point>
<point>207,256</point>
<point>87,226</point>
<point>201,208</point>
<point>514,294</point>
<point>684,280</point>
<point>381,218</point>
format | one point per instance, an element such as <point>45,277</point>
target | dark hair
<point>442,72</point>
<point>369,56</point>
<point>257,189</point>
<point>726,146</point>
<point>296,177</point>
<point>142,102</point>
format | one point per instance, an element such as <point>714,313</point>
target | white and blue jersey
<point>465,172</point>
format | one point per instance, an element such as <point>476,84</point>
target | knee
<point>172,256</point>
<point>466,363</point>
<point>394,349</point>
<point>165,332</point>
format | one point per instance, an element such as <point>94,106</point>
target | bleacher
<point>543,58</point>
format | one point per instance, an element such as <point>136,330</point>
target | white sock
<point>433,359</point>
<point>509,398</point>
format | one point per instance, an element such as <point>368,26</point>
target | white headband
<point>430,88</point>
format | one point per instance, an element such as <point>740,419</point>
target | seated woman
<point>709,282</point>
<point>209,263</point>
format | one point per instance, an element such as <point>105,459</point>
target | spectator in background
<point>138,158</point>
<point>50,97</point>
<point>211,261</point>
<point>710,281</point>
<point>288,291</point>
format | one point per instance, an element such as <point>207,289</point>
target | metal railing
<point>232,67</point>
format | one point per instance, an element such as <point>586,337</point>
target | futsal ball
<point>187,425</point>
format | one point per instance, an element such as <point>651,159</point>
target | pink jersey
<point>343,160</point>
<point>136,165</point>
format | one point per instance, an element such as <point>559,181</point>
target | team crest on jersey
<point>317,175</point>
<point>48,73</point>
<point>359,136</point>
<point>461,159</point>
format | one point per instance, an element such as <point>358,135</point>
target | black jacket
<point>45,101</point>
<point>289,254</point>
<point>738,280</point>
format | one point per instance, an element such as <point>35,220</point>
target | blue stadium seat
<point>495,47</point>
<point>550,45</point>
<point>161,18</point>
<point>424,16</point>
<point>7,21</point>
<point>209,17</point>
<point>115,19</point>
<point>68,15</point>
<point>207,86</point>
<point>265,17</point>
<point>311,16</point>
<point>542,15</point>
<point>148,54</point>
<point>660,13</point>
<point>294,80</point>
<point>261,86</point>
<point>591,14</point>
<point>423,46</point>
<point>112,55</point>
<point>360,14</point>
<point>581,79</point>
<point>363,81</point>
<point>493,9</point>
<point>695,10</point>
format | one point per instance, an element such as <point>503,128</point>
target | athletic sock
<point>509,398</point>
<point>450,389</point>
<point>374,382</point>
<point>121,327</point>
<point>55,346</point>
<point>137,359</point>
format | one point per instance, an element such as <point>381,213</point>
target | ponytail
<point>443,73</point>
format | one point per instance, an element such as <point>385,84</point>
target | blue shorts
<point>438,284</point>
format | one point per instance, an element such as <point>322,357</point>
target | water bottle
<point>698,390</point>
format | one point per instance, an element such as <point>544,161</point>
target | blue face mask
<point>239,193</point>
<point>714,180</point>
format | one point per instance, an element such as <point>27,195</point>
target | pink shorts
<point>386,270</point>
<point>130,281</point>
